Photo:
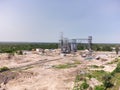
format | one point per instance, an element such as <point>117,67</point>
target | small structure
<point>25,52</point>
<point>39,50</point>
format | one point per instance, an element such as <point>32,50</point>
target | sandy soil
<point>38,73</point>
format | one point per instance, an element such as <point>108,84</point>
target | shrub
<point>94,66</point>
<point>117,69</point>
<point>116,49</point>
<point>107,77</point>
<point>20,52</point>
<point>79,78</point>
<point>89,76</point>
<point>4,69</point>
<point>107,83</point>
<point>84,85</point>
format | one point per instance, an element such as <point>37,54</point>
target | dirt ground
<point>36,72</point>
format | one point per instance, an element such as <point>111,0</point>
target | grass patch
<point>98,74</point>
<point>64,66</point>
<point>77,62</point>
<point>116,81</point>
<point>80,82</point>
<point>95,66</point>
<point>111,81</point>
<point>116,78</point>
<point>105,78</point>
<point>67,65</point>
<point>117,69</point>
<point>101,87</point>
<point>4,69</point>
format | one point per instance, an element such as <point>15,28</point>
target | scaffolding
<point>70,45</point>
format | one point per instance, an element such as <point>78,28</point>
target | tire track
<point>40,62</point>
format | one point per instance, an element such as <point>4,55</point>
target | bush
<point>117,69</point>
<point>89,76</point>
<point>107,77</point>
<point>20,52</point>
<point>84,85</point>
<point>107,83</point>
<point>4,69</point>
<point>94,66</point>
<point>79,78</point>
<point>116,49</point>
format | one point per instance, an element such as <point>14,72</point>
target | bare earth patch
<point>36,72</point>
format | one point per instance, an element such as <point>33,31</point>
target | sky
<point>44,20</point>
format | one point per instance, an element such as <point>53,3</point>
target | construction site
<point>57,69</point>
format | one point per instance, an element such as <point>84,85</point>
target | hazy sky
<point>43,20</point>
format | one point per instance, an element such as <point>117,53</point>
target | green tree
<point>117,49</point>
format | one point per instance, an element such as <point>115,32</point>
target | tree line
<point>13,47</point>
